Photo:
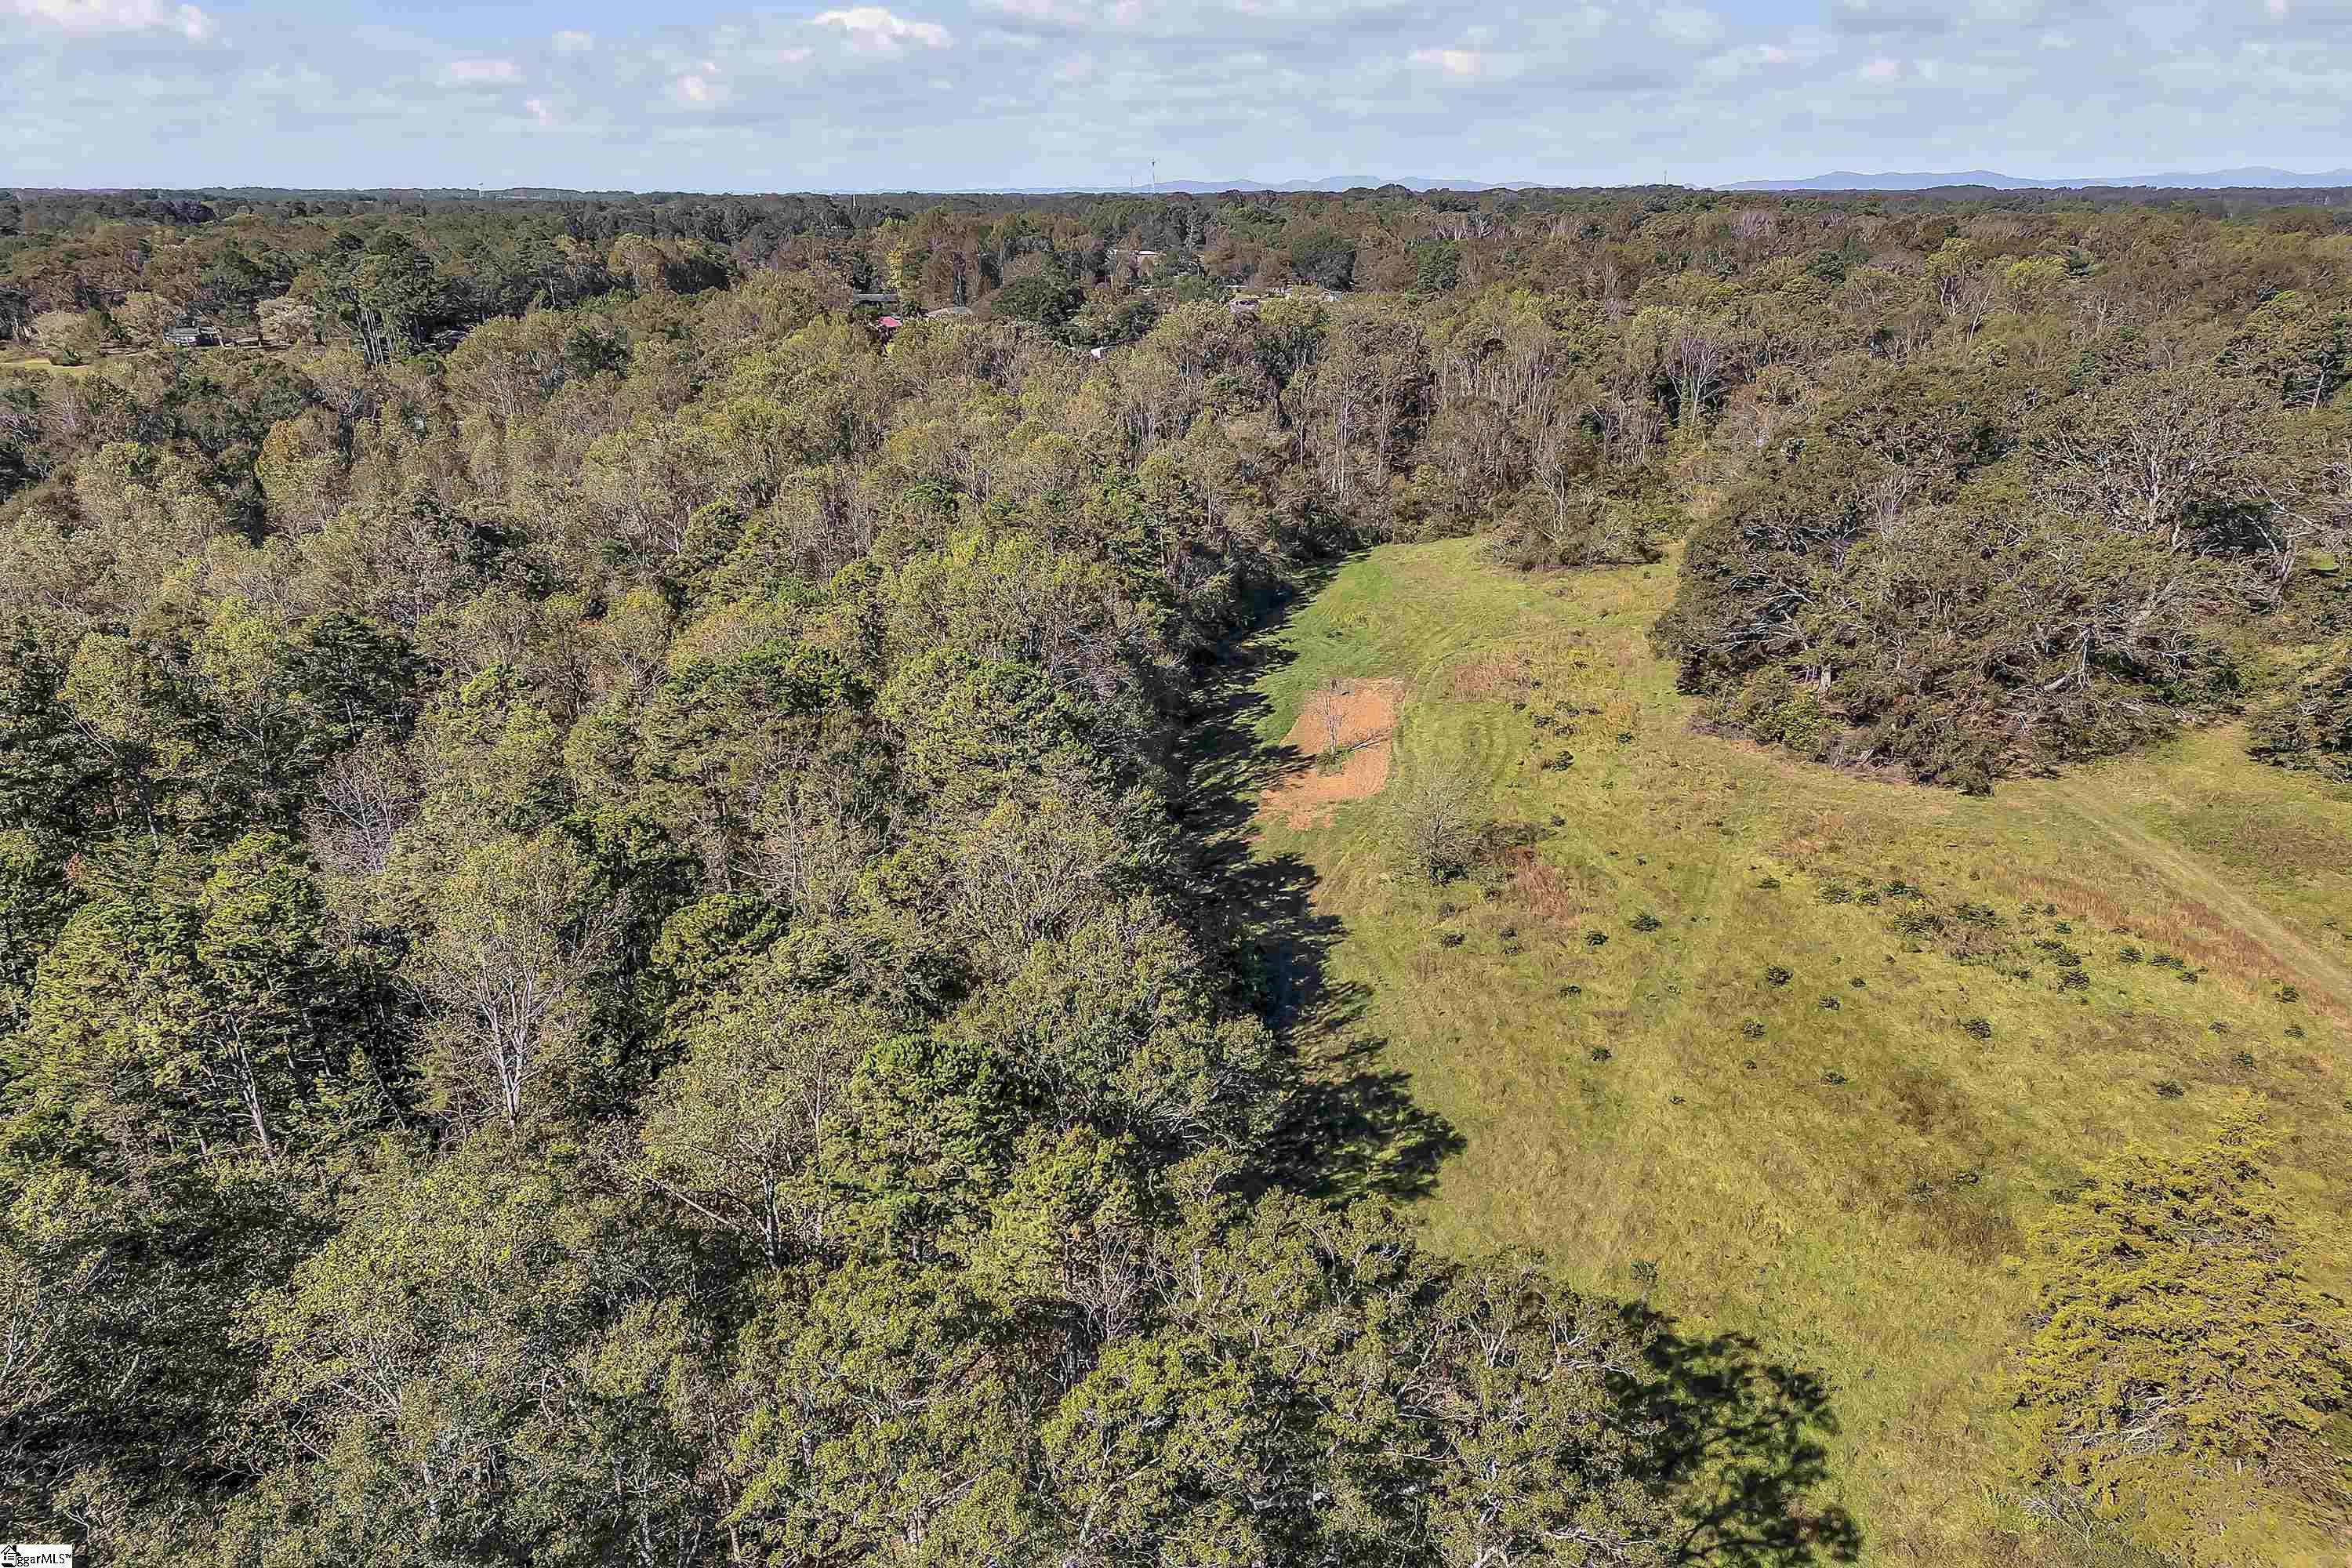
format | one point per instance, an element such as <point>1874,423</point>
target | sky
<point>997,94</point>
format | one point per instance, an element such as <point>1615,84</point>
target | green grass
<point>41,365</point>
<point>1864,1229</point>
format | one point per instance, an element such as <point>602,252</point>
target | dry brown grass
<point>1544,891</point>
<point>2192,929</point>
<point>1504,678</point>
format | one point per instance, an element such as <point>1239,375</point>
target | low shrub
<point>2310,727</point>
<point>1432,828</point>
<point>1977,1028</point>
<point>1778,975</point>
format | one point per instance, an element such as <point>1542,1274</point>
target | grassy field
<point>52,369</point>
<point>1774,1113</point>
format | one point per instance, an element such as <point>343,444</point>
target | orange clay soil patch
<point>1364,713</point>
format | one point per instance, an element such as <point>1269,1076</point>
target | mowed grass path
<point>1835,1163</point>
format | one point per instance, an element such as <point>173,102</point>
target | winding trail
<point>2169,866</point>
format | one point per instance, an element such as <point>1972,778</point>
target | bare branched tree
<point>1434,826</point>
<point>506,973</point>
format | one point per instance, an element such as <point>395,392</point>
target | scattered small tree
<point>1331,706</point>
<point>1433,825</point>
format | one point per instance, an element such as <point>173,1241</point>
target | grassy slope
<point>76,371</point>
<point>1770,1200</point>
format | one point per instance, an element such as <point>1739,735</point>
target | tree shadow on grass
<point>1346,1125</point>
<point>1739,1448</point>
<point>1737,1442</point>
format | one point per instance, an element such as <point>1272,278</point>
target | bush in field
<point>1434,828</point>
<point>2311,726</point>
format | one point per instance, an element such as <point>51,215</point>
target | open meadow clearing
<point>1790,1053</point>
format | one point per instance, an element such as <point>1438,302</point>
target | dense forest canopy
<point>609,949</point>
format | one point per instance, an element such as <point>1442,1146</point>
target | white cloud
<point>1744,59</point>
<point>1877,17</point>
<point>479,73</point>
<point>1688,26</point>
<point>114,16</point>
<point>1452,62</point>
<point>873,30</point>
<point>1052,92</point>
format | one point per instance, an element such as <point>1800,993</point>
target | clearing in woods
<point>1696,1044</point>
<point>1346,731</point>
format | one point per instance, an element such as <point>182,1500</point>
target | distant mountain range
<point>1215,187</point>
<point>2258,178</point>
<point>2214,180</point>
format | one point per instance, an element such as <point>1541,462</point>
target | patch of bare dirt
<point>1347,732</point>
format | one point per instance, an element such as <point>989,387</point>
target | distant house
<point>191,337</point>
<point>1244,308</point>
<point>883,299</point>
